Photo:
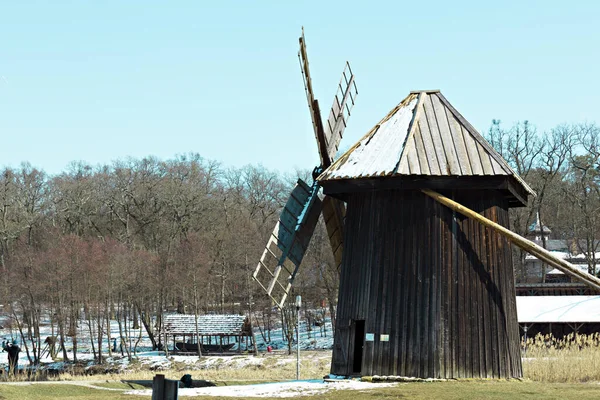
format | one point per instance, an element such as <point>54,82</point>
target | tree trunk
<point>543,245</point>
<point>196,316</point>
<point>23,338</point>
<point>147,322</point>
<point>100,329</point>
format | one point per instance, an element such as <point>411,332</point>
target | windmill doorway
<point>359,342</point>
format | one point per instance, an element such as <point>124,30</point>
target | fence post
<point>171,389</point>
<point>158,387</point>
<point>164,389</point>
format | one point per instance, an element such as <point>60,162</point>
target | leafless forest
<point>563,167</point>
<point>136,238</point>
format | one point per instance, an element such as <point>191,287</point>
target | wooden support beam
<point>518,240</point>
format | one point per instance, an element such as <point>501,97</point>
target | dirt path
<point>89,384</point>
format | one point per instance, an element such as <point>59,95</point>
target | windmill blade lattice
<point>328,139</point>
<point>343,102</point>
<point>285,249</point>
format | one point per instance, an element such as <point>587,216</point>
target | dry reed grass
<point>314,365</point>
<point>573,359</point>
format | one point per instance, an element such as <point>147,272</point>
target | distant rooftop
<point>537,226</point>
<point>570,309</point>
<point>555,244</point>
<point>208,325</point>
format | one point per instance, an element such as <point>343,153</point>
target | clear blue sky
<point>102,80</point>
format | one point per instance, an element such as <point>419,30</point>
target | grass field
<point>566,369</point>
<point>505,390</point>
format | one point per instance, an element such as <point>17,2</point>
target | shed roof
<point>554,244</point>
<point>555,289</point>
<point>424,135</point>
<point>185,324</point>
<point>533,309</point>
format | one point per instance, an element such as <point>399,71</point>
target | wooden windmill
<point>425,291</point>
<point>426,275</point>
<point>285,249</point>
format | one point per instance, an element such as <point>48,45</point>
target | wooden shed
<point>425,292</point>
<point>216,332</point>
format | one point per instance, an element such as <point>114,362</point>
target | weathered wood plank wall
<point>439,284</point>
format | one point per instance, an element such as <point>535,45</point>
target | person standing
<point>13,356</point>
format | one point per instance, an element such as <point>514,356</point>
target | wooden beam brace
<point>518,240</point>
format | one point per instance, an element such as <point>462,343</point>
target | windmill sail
<point>313,104</point>
<point>285,249</point>
<point>328,139</point>
<point>343,102</point>
<point>334,212</point>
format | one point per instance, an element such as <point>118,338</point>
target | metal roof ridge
<point>425,91</point>
<point>411,129</point>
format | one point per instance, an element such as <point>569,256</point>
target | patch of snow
<point>309,339</point>
<point>559,254</point>
<point>280,389</point>
<point>379,152</point>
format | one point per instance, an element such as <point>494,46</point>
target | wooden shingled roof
<point>422,136</point>
<point>208,325</point>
